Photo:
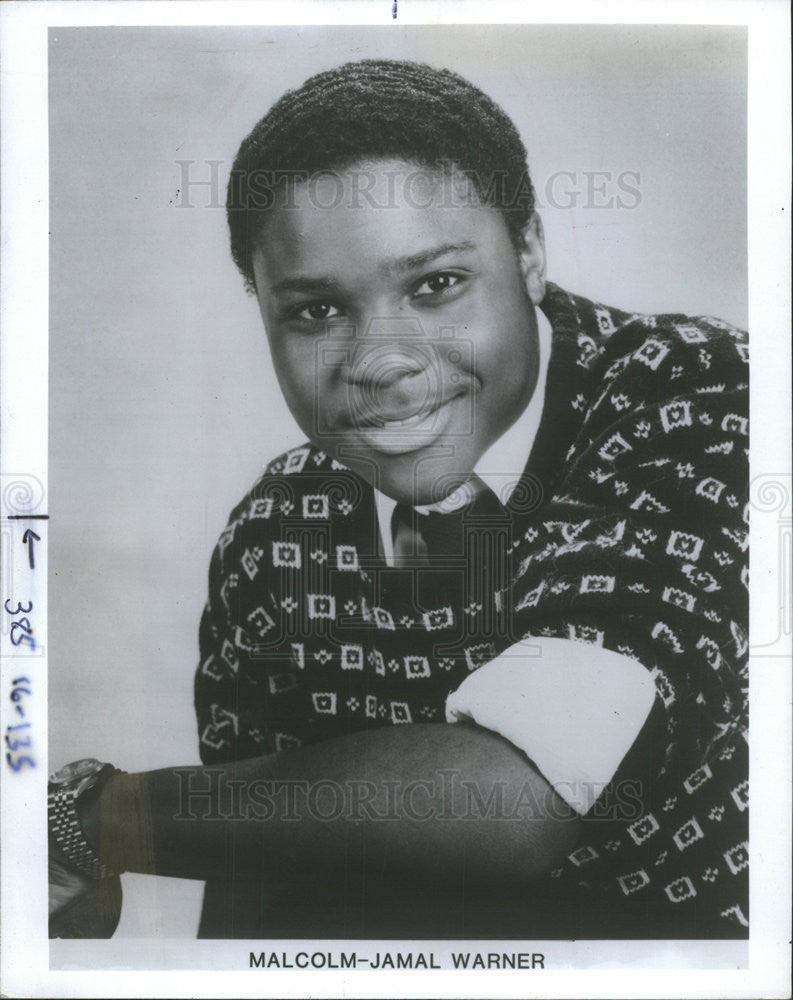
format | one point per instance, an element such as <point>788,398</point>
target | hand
<point>81,907</point>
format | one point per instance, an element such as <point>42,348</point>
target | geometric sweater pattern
<point>628,530</point>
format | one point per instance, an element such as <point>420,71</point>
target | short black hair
<point>378,109</point>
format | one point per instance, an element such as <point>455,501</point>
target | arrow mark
<point>28,539</point>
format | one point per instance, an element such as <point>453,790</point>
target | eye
<point>439,283</point>
<point>317,311</point>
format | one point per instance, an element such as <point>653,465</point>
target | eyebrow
<point>418,259</point>
<point>306,283</point>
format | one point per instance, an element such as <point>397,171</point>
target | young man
<point>518,511</point>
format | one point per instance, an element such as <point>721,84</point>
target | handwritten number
<point>20,610</point>
<point>23,638</point>
<point>20,762</point>
<point>15,742</point>
<point>18,693</point>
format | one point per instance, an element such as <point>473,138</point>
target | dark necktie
<point>435,539</point>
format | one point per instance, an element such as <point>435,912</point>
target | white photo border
<point>611,969</point>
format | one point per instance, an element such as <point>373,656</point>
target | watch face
<point>76,771</point>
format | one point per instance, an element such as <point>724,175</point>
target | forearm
<point>441,800</point>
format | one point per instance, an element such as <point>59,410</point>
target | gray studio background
<point>163,404</point>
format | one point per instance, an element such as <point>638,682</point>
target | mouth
<point>396,435</point>
<point>411,419</point>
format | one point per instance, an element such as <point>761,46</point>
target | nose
<point>381,366</point>
<point>390,350</point>
<point>391,372</point>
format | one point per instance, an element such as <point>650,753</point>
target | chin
<point>420,479</point>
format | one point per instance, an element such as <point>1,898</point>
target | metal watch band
<point>65,826</point>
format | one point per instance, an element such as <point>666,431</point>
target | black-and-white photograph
<point>398,499</point>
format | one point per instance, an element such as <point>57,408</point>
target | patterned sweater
<point>628,531</point>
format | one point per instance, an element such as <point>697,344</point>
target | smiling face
<point>401,323</point>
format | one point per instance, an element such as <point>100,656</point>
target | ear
<point>532,259</point>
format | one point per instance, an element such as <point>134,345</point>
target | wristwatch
<point>64,788</point>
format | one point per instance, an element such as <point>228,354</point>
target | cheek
<point>503,342</point>
<point>297,377</point>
